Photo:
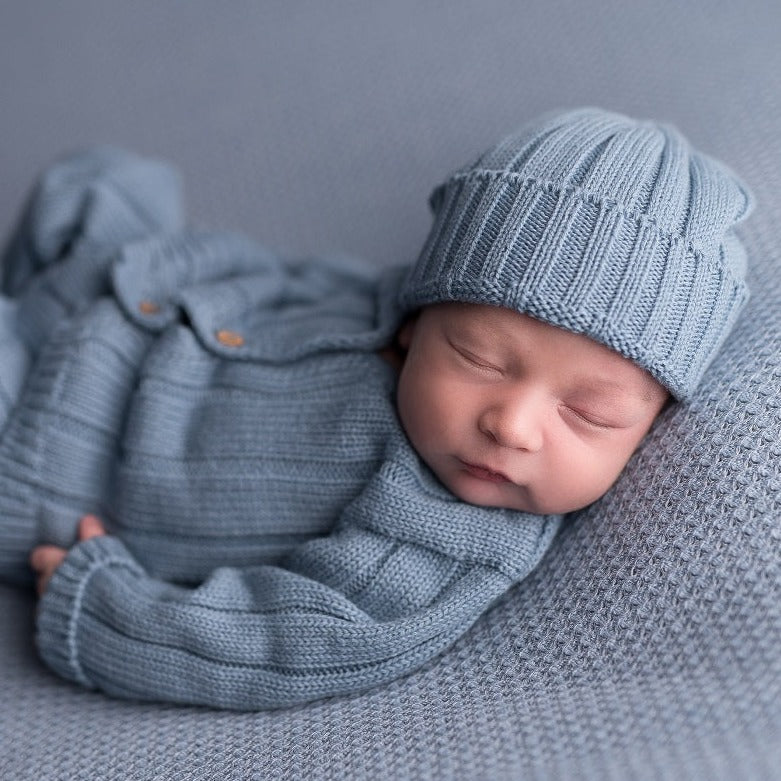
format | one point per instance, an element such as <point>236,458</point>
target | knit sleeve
<point>404,574</point>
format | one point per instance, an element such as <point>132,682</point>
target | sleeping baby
<point>248,482</point>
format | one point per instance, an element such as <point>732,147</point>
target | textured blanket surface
<point>648,642</point>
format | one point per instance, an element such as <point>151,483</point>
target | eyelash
<point>473,362</point>
<point>588,421</point>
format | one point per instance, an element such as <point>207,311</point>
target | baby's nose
<point>514,422</point>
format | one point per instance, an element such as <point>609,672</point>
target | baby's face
<point>511,412</point>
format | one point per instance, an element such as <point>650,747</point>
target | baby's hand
<point>46,558</point>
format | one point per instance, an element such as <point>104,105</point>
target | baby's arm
<point>398,581</point>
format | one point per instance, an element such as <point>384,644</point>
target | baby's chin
<point>517,499</point>
<point>474,486</point>
<point>484,493</point>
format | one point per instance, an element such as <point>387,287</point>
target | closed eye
<point>587,419</point>
<point>474,360</point>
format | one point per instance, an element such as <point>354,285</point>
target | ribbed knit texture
<point>227,415</point>
<point>602,225</point>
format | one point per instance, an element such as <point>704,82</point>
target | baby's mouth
<point>484,473</point>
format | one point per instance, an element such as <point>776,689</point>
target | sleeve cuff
<point>60,608</point>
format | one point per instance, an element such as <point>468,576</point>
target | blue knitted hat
<point>600,224</point>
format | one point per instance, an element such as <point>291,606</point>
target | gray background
<point>323,125</point>
<point>647,645</point>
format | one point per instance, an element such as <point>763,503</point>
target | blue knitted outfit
<point>272,473</point>
<point>273,536</point>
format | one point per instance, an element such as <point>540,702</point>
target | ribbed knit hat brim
<point>601,225</point>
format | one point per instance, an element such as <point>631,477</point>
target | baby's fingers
<point>90,526</point>
<point>46,557</point>
<point>44,560</point>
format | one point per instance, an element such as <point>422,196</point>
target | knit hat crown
<point>602,225</point>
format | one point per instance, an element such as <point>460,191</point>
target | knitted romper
<point>273,537</point>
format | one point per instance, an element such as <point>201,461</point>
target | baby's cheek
<point>424,406</point>
<point>414,409</point>
<point>584,481</point>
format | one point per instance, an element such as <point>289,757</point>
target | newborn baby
<point>509,411</point>
<point>315,478</point>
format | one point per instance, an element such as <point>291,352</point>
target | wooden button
<point>230,338</point>
<point>148,307</point>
